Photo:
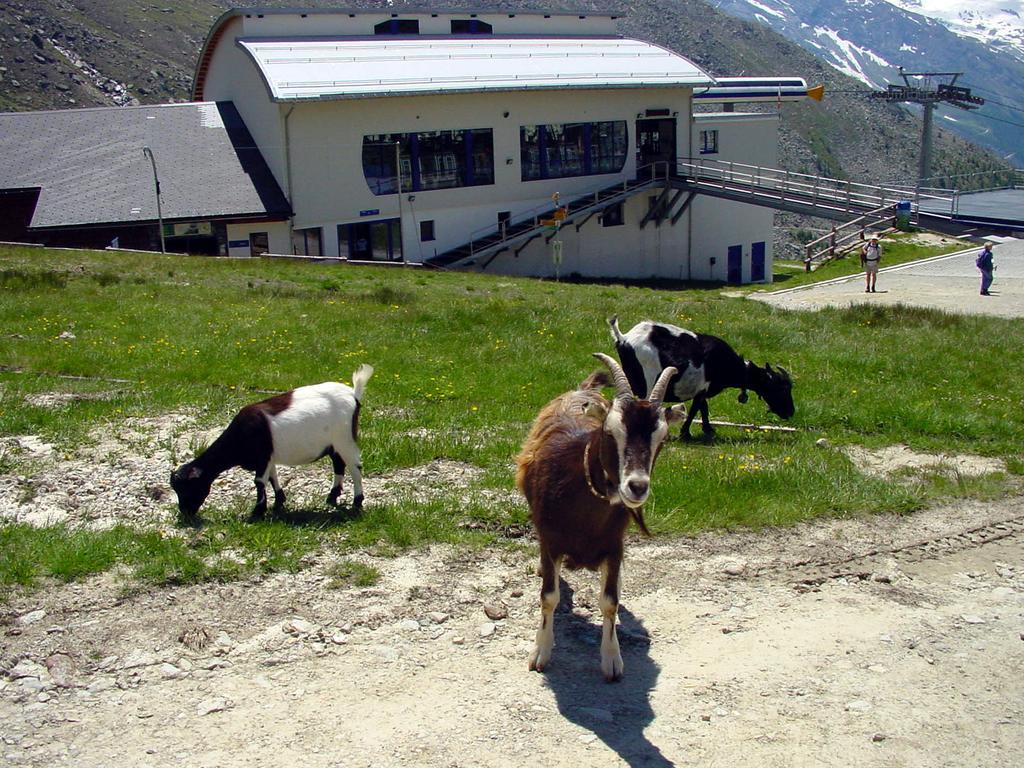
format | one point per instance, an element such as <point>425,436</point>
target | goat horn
<point>622,388</point>
<point>661,385</point>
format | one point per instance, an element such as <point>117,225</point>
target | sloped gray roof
<point>91,169</point>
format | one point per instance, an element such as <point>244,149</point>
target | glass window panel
<point>379,162</point>
<point>440,160</point>
<point>529,151</point>
<point>482,157</point>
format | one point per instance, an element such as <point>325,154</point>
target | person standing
<point>985,264</point>
<point>870,255</point>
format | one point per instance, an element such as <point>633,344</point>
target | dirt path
<point>911,656</point>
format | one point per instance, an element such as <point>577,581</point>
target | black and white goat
<point>585,470</point>
<point>706,366</point>
<point>296,427</point>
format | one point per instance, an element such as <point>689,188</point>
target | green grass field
<point>463,363</point>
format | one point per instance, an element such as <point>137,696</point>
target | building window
<point>572,149</point>
<point>470,27</point>
<point>709,142</point>
<point>612,216</point>
<point>429,160</point>
<point>398,27</point>
<point>306,242</point>
<point>426,230</point>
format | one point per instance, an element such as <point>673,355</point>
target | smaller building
<point>82,178</point>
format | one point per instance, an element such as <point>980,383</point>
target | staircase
<point>485,245</point>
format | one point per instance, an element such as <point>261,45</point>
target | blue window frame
<point>429,160</point>
<point>562,150</point>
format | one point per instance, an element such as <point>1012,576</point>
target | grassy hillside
<point>146,54</point>
<point>463,363</point>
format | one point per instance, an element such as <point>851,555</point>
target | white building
<point>490,115</point>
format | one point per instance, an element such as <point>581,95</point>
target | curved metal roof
<point>341,68</point>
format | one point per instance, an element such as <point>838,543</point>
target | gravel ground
<point>875,642</point>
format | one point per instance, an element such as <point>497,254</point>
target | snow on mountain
<point>870,40</point>
<point>998,23</point>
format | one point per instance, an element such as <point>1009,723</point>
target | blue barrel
<point>903,215</point>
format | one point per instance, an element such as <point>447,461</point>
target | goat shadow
<point>305,516</point>
<point>617,713</point>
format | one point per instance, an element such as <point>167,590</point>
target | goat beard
<point>638,517</point>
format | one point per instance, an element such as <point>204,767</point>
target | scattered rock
<point>339,638</point>
<point>706,718</point>
<point>30,618</point>
<point>62,669</point>
<point>67,336</point>
<point>734,568</point>
<point>496,611</point>
<point>877,737</point>
<point>137,659</point>
<point>486,630</point>
<point>437,617</point>
<point>409,625</point>
<point>299,626</point>
<point>170,672</point>
<point>822,442</point>
<point>209,706</point>
<point>27,668</point>
<point>858,706</point>
<point>970,618</point>
<point>516,593</point>
<point>462,640</point>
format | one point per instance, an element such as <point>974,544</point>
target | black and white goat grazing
<point>585,470</point>
<point>297,427</point>
<point>706,366</point>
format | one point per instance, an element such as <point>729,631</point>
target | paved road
<point>948,282</point>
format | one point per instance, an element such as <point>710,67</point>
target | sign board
<point>370,212</point>
<point>238,243</point>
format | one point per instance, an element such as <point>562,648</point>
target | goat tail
<point>596,380</point>
<point>613,323</point>
<point>359,379</point>
<point>638,518</point>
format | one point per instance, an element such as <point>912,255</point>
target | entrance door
<point>734,265</point>
<point>757,262</point>
<point>655,142</point>
<point>371,240</point>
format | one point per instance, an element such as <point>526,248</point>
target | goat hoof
<point>539,661</point>
<point>612,668</point>
<point>357,503</point>
<point>332,497</point>
<point>258,513</point>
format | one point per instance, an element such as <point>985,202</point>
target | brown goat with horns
<point>585,470</point>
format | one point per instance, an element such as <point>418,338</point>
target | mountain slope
<point>70,53</point>
<point>870,39</point>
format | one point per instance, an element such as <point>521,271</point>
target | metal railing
<point>845,236</point>
<point>816,191</point>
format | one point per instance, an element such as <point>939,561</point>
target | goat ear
<point>675,414</point>
<point>768,367</point>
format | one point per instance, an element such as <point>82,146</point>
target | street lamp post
<point>159,210</point>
